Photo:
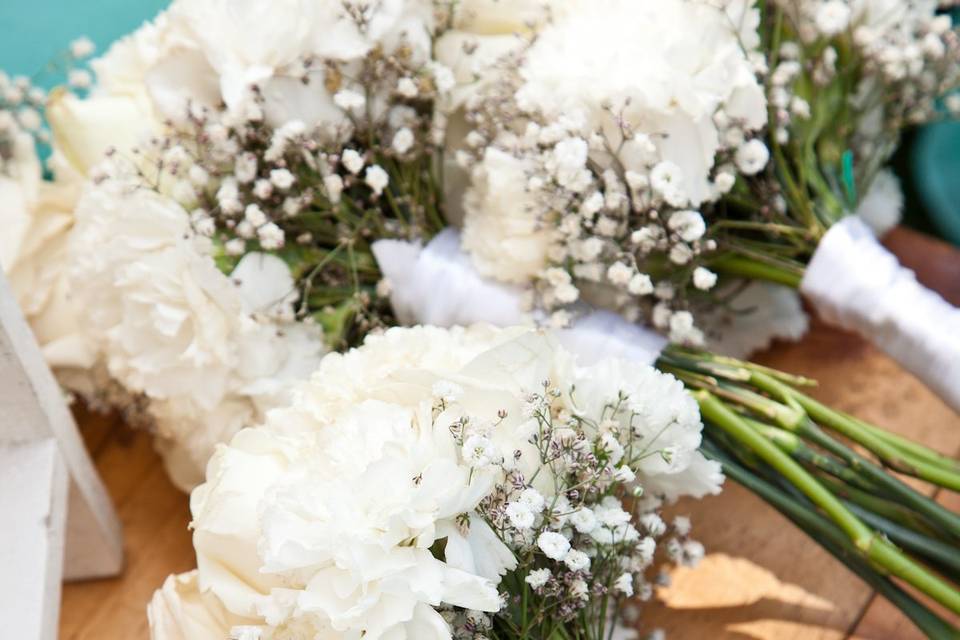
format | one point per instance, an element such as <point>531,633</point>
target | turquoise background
<point>935,164</point>
<point>35,33</point>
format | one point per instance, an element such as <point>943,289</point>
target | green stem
<point>891,455</point>
<point>906,446</point>
<point>796,447</point>
<point>883,450</point>
<point>909,447</point>
<point>945,556</point>
<point>868,543</point>
<point>893,511</point>
<point>832,539</point>
<point>755,270</point>
<point>933,511</point>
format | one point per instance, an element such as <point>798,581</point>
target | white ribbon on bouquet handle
<point>856,284</point>
<point>438,285</point>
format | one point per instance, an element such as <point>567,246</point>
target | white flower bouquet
<point>656,188</point>
<point>467,483</point>
<point>253,185</point>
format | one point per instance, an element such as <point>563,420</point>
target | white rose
<point>180,611</point>
<point>484,32</point>
<point>502,231</point>
<point>37,217</point>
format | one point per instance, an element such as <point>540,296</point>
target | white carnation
<point>208,52</point>
<point>202,346</point>
<point>180,610</point>
<point>625,59</point>
<point>360,477</point>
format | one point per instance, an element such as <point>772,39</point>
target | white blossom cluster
<point>318,103</point>
<point>907,54</point>
<point>415,487</point>
<point>21,106</point>
<point>248,183</point>
<point>22,102</point>
<point>593,164</point>
<point>579,543</point>
<point>240,154</point>
<point>321,147</point>
<point>207,352</point>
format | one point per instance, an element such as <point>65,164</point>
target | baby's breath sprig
<point>844,81</point>
<point>593,178</point>
<point>318,196</point>
<point>23,100</point>
<point>583,554</point>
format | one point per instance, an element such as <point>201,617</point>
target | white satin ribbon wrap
<point>855,283</point>
<point>438,285</point>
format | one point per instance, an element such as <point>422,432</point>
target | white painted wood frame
<point>48,486</point>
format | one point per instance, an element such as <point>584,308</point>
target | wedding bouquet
<point>267,182</point>
<point>470,483</point>
<point>655,188</point>
<point>576,195</point>
<point>222,245</point>
<point>845,78</point>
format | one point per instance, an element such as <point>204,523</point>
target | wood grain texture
<point>154,516</point>
<point>762,577</point>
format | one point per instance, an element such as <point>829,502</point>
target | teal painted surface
<point>34,33</point>
<point>936,175</point>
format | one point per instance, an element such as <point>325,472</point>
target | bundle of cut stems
<point>835,476</point>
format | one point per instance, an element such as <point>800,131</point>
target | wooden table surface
<point>761,578</point>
